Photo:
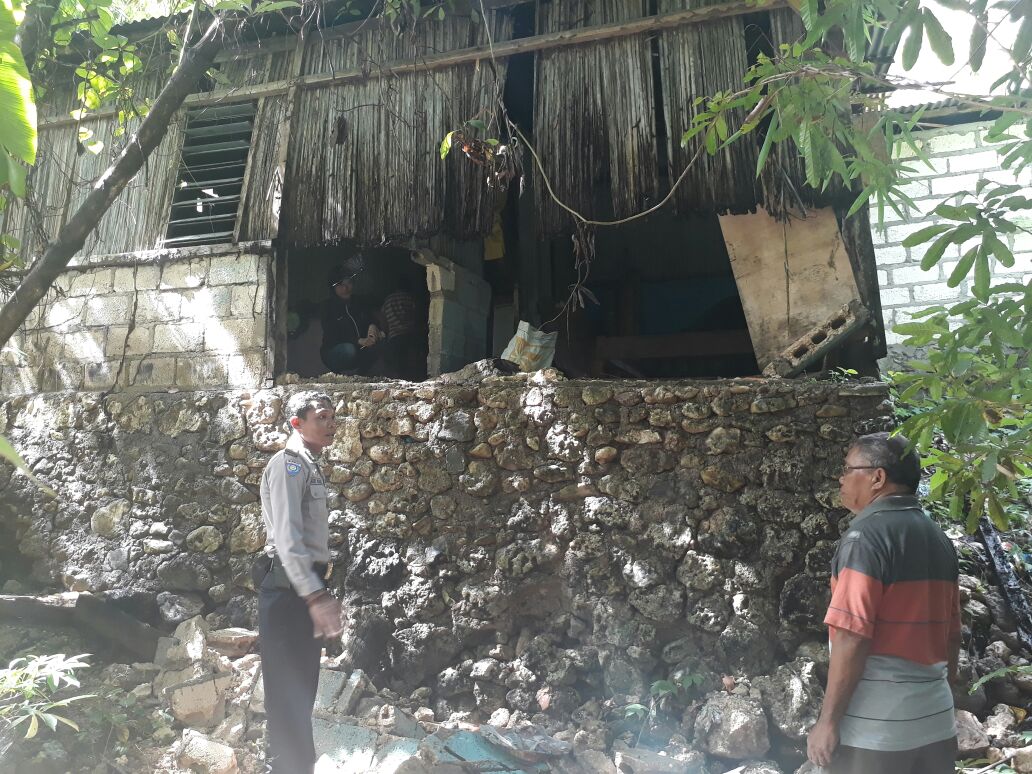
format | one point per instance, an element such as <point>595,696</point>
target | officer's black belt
<point>323,569</point>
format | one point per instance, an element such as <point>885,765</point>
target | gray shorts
<point>936,758</point>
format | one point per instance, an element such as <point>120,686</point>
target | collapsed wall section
<point>491,539</point>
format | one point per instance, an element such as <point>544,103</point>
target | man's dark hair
<point>299,404</point>
<point>891,453</point>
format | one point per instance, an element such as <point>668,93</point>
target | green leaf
<point>912,47</point>
<point>276,5</point>
<point>17,106</point>
<point>934,253</point>
<point>11,454</point>
<point>940,40</point>
<point>980,289</point>
<point>963,267</point>
<point>767,142</point>
<point>925,234</point>
<point>1000,250</point>
<point>989,467</point>
<point>446,144</point>
<point>477,124</point>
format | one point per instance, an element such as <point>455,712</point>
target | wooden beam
<point>503,50</point>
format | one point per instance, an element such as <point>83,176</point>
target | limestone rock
<point>205,540</point>
<point>793,695</point>
<point>201,754</point>
<point>201,702</point>
<point>643,761</point>
<point>972,741</point>
<point>732,727</point>
<point>233,642</point>
<point>110,520</point>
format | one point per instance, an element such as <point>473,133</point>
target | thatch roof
<point>348,125</point>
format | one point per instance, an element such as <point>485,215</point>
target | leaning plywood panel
<point>794,277</point>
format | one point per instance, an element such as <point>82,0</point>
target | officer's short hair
<point>299,404</point>
<point>891,453</point>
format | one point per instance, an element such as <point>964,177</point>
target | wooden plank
<point>792,276</point>
<point>467,55</point>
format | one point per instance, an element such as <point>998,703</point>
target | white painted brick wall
<point>191,319</point>
<point>959,159</point>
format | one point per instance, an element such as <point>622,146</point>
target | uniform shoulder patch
<point>293,468</point>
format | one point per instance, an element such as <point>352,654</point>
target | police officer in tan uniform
<point>295,609</point>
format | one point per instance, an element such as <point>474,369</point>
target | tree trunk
<point>72,236</point>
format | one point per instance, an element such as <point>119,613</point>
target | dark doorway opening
<point>383,318</point>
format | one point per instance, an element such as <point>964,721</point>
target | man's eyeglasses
<point>847,468</point>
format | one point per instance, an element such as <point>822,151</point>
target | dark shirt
<point>344,322</point>
<point>399,312</point>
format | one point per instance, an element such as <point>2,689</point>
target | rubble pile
<point>203,697</point>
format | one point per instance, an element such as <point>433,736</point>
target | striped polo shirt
<point>894,581</point>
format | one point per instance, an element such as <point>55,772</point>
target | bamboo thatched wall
<point>363,160</point>
<point>594,116</point>
<point>359,160</point>
<point>695,61</point>
<point>62,178</point>
<point>259,201</point>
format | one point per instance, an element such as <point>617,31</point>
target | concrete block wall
<point>188,318</point>
<point>959,157</point>
<point>460,307</point>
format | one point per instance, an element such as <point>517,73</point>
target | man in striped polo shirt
<point>894,625</point>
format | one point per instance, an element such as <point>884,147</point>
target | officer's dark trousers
<point>290,670</point>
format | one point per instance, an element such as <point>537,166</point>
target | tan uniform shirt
<point>296,515</point>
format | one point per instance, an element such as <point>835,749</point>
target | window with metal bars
<point>211,175</point>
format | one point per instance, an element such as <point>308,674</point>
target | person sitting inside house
<point>403,347</point>
<point>350,337</point>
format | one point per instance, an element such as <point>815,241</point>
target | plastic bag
<point>530,348</point>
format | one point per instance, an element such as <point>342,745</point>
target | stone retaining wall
<point>492,539</point>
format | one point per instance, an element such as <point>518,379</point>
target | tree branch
<point>106,189</point>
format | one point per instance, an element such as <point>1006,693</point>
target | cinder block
<point>894,234</point>
<point>206,304</point>
<point>158,306</point>
<point>152,372</point>
<point>140,341</point>
<point>178,337</point>
<point>64,313</point>
<point>100,376</point>
<point>130,279</point>
<point>936,291</point>
<point>247,370</point>
<point>234,270</point>
<point>86,345</point>
<point>91,282</point>
<point>108,310</point>
<point>201,372</point>
<point>887,256</point>
<point>247,300</point>
<point>950,143</point>
<point>895,296</point>
<point>230,336</point>
<point>61,375</point>
<point>968,162</point>
<point>907,275</point>
<point>184,274</point>
<point>951,184</point>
